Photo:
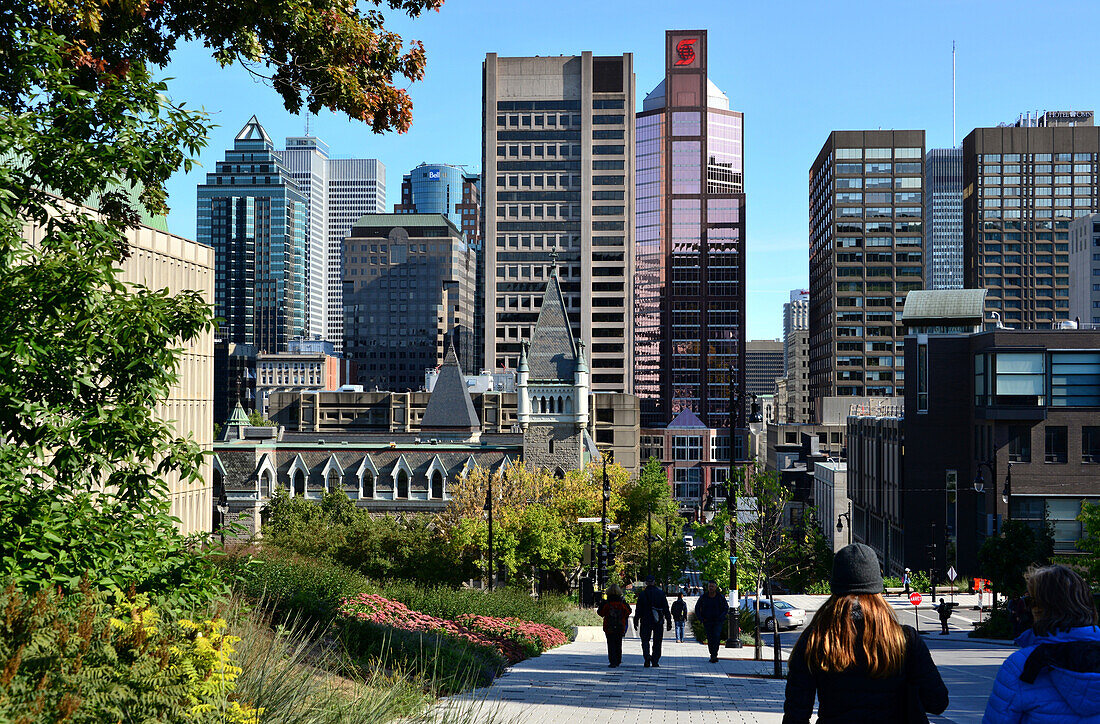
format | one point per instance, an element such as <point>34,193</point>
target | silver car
<point>785,614</point>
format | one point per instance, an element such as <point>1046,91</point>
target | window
<point>1020,378</point>
<point>1090,444</point>
<point>1019,444</point>
<point>687,447</point>
<point>1075,379</point>
<point>1056,450</point>
<point>687,482</point>
<point>922,377</point>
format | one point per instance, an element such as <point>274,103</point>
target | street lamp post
<point>733,638</point>
<point>602,553</point>
<point>840,526</point>
<point>489,509</point>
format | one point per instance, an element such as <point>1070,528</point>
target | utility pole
<point>733,640</point>
<point>602,553</point>
<point>649,542</point>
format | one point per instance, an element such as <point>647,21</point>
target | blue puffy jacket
<point>1052,679</point>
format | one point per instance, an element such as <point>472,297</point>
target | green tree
<point>1006,557</point>
<point>83,356</point>
<point>1090,541</point>
<point>648,510</point>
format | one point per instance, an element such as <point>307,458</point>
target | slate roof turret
<point>553,353</point>
<point>450,408</point>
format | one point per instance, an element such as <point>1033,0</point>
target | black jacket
<point>853,697</point>
<point>711,610</point>
<point>679,610</point>
<point>649,600</point>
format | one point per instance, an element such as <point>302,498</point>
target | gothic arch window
<point>550,446</point>
<point>333,480</point>
<point>299,483</point>
<point>437,485</point>
<point>561,405</point>
<point>402,484</point>
<point>368,484</point>
<point>265,484</point>
<point>559,473</point>
<point>542,404</point>
<point>569,405</point>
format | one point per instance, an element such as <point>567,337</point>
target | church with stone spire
<point>393,472</point>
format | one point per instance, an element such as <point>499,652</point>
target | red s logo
<point>685,52</point>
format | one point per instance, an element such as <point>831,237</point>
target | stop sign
<point>915,598</point>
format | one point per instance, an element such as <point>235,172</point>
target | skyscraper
<point>943,218</point>
<point>251,212</point>
<point>866,253</point>
<point>557,169</point>
<point>1025,184</point>
<point>337,192</point>
<point>796,358</point>
<point>763,365</point>
<point>1084,269</point>
<point>690,282</point>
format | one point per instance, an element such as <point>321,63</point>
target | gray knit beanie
<point>855,570</point>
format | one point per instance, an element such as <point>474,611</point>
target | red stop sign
<point>915,598</point>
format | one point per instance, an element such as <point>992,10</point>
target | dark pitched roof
<point>687,420</point>
<point>450,406</point>
<point>553,354</point>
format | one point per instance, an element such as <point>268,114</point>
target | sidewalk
<point>573,684</point>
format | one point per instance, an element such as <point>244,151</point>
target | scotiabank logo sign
<point>685,53</point>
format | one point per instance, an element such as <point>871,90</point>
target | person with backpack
<point>711,609</point>
<point>944,610</point>
<point>679,616</point>
<point>649,615</point>
<point>1055,676</point>
<point>615,613</point>
<point>856,659</point>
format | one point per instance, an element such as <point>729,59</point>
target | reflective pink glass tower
<point>690,228</point>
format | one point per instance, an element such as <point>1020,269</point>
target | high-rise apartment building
<point>1084,269</point>
<point>557,187</point>
<point>763,365</point>
<point>943,218</point>
<point>408,295</point>
<point>690,284</point>
<point>866,253</point>
<point>795,405</point>
<point>337,192</point>
<point>251,213</point>
<point>1024,185</point>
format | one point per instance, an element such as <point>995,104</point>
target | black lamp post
<point>489,509</point>
<point>733,638</point>
<point>840,526</point>
<point>602,553</point>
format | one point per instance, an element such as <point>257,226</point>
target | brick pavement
<point>573,684</point>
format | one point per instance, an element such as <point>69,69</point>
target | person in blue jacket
<point>1055,676</point>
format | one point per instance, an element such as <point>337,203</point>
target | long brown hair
<point>1060,600</point>
<point>832,636</point>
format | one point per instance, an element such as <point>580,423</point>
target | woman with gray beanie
<point>856,659</point>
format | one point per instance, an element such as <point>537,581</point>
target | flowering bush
<point>535,636</point>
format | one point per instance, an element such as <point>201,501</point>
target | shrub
<point>819,587</point>
<point>294,586</point>
<point>746,622</point>
<point>99,656</point>
<point>996,626</point>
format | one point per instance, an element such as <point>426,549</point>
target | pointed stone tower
<point>553,388</point>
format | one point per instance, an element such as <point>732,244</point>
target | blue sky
<point>796,70</point>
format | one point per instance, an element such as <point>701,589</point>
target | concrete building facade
<point>764,362</point>
<point>866,253</point>
<point>306,365</point>
<point>1024,184</point>
<point>557,165</point>
<point>793,391</point>
<point>1084,269</point>
<point>408,296</point>
<point>830,497</point>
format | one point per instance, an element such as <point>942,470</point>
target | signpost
<point>915,599</point>
<point>951,576</point>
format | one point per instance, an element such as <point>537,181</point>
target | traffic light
<point>611,549</point>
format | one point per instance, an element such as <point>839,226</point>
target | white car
<point>786,615</point>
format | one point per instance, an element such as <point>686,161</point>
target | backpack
<point>616,624</point>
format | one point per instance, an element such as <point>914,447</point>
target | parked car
<point>785,614</point>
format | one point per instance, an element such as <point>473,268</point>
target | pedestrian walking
<point>905,582</point>
<point>856,659</point>
<point>679,616</point>
<point>650,614</point>
<point>711,609</point>
<point>944,610</point>
<point>615,612</point>
<point>1055,676</point>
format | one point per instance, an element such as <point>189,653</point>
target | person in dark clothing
<point>859,662</point>
<point>615,612</point>
<point>711,609</point>
<point>650,614</point>
<point>944,610</point>
<point>679,616</point>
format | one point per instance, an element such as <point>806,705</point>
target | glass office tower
<point>690,224</point>
<point>943,218</point>
<point>251,212</point>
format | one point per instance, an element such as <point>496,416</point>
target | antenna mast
<point>307,113</point>
<point>952,94</point>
